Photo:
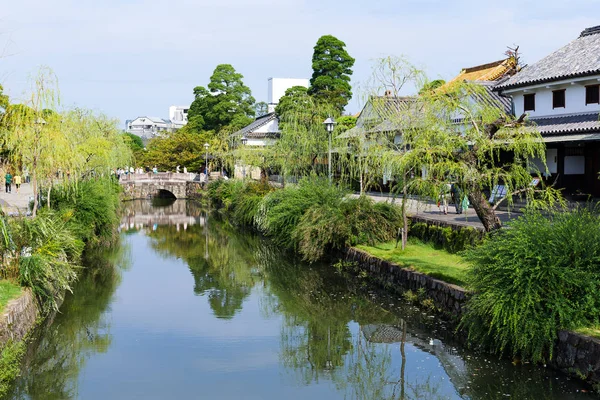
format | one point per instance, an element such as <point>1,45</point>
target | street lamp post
<point>206,145</point>
<point>244,141</point>
<point>329,125</point>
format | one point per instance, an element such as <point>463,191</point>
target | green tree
<point>293,101</point>
<point>431,86</point>
<point>181,148</point>
<point>488,148</point>
<point>261,108</point>
<point>332,68</point>
<point>3,100</point>
<point>225,102</point>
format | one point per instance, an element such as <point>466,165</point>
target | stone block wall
<point>18,318</point>
<point>578,355</point>
<point>575,354</point>
<point>447,297</point>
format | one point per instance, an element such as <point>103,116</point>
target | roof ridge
<point>484,66</point>
<point>565,115</point>
<point>593,30</point>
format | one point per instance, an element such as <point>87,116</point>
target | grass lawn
<point>424,258</point>
<point>8,291</point>
<point>593,331</point>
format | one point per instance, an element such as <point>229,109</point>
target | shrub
<point>280,211</point>
<point>451,239</point>
<point>540,275</point>
<point>350,222</point>
<point>90,207</point>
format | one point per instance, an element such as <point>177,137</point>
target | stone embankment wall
<point>578,355</point>
<point>447,297</point>
<point>574,354</point>
<point>18,318</point>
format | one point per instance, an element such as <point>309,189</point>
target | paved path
<point>16,203</point>
<point>429,210</point>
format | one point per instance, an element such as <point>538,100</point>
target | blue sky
<point>128,58</point>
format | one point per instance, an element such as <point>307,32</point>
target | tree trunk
<point>49,189</point>
<point>35,192</point>
<point>484,211</point>
<point>404,217</point>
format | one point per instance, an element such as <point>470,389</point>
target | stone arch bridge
<point>162,184</point>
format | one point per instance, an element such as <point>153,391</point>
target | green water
<point>187,307</point>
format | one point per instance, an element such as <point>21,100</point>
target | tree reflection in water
<point>63,344</point>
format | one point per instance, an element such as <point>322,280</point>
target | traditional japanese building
<point>561,96</point>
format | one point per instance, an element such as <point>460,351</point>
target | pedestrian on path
<point>17,179</point>
<point>7,182</point>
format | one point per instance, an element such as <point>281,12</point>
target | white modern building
<point>561,96</point>
<point>149,127</point>
<point>178,115</point>
<point>265,129</point>
<point>278,86</point>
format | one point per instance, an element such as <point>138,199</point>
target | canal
<point>187,307</point>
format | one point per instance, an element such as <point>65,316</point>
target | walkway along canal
<point>187,307</point>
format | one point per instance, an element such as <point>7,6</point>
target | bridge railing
<point>170,176</point>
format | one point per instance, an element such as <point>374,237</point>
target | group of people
<point>9,179</point>
<point>460,200</point>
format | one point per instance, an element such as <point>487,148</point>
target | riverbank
<point>44,254</point>
<point>575,353</point>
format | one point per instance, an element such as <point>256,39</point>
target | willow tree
<point>32,131</point>
<point>374,147</point>
<point>461,133</point>
<point>303,145</point>
<point>53,144</point>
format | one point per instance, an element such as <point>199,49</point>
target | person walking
<point>17,179</point>
<point>7,182</point>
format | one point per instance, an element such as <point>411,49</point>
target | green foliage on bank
<point>452,239</point>
<point>44,252</point>
<point>91,209</point>
<point>10,365</point>
<point>540,275</point>
<point>312,217</point>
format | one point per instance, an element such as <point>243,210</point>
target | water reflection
<point>255,323</point>
<point>81,330</point>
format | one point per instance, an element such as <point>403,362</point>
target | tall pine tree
<point>332,68</point>
<point>226,103</point>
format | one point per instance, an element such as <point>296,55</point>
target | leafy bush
<point>349,222</point>
<point>46,254</point>
<point>10,364</point>
<point>452,239</point>
<point>281,211</point>
<point>91,208</point>
<point>239,199</point>
<point>540,275</point>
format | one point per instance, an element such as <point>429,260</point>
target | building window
<point>529,102</point>
<point>558,98</point>
<point>592,94</point>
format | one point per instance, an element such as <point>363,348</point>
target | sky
<point>130,58</point>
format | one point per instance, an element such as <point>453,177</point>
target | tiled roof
<point>493,98</point>
<point>249,130</point>
<point>579,58</point>
<point>577,123</point>
<point>486,72</point>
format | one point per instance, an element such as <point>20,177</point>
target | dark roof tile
<point>579,58</point>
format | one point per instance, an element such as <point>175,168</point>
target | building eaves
<point>577,123</point>
<point>579,58</point>
<point>249,130</point>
